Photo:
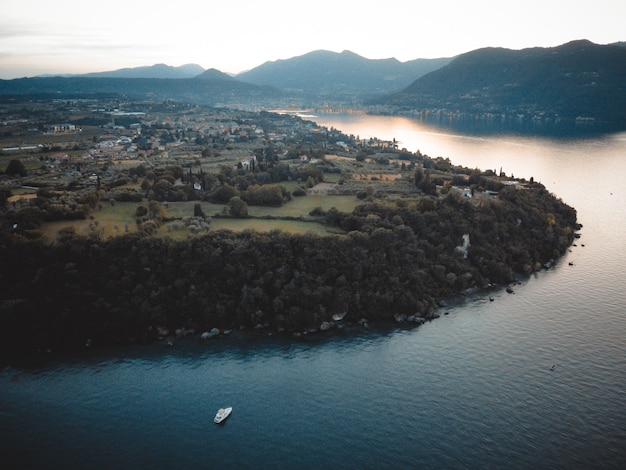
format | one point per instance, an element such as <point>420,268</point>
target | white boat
<point>222,414</point>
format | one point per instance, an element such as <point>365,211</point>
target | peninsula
<point>125,221</point>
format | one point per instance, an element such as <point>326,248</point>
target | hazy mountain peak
<point>213,74</point>
<point>345,73</point>
<point>152,71</point>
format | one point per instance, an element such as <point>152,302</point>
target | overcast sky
<point>59,36</point>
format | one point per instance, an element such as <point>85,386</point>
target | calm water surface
<point>472,389</point>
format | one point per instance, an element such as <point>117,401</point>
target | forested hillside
<point>576,80</point>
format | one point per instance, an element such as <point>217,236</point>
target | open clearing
<point>118,219</point>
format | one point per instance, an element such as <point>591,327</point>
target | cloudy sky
<point>44,36</point>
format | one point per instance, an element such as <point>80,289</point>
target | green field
<point>114,220</point>
<point>297,207</point>
<point>118,219</point>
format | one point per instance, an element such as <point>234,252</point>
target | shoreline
<point>231,338</point>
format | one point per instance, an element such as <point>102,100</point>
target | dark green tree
<point>238,207</point>
<point>197,211</point>
<point>15,168</point>
<point>419,177</point>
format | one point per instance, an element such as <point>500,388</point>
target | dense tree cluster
<point>396,257</point>
<point>258,188</point>
<point>49,206</point>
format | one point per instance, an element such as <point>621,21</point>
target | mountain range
<point>313,74</point>
<point>345,74</point>
<point>319,75</point>
<point>579,79</point>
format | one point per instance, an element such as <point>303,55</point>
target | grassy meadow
<point>117,219</point>
<point>297,207</point>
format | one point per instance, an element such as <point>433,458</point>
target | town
<point>103,135</point>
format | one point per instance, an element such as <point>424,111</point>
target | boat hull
<point>222,414</point>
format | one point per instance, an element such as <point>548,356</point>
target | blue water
<point>472,389</point>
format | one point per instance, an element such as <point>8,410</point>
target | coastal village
<point>78,144</point>
<point>147,134</point>
<point>102,138</point>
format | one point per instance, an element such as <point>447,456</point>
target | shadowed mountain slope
<point>579,79</point>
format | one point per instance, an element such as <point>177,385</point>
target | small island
<point>139,221</point>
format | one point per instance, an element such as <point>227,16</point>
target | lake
<point>472,389</point>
